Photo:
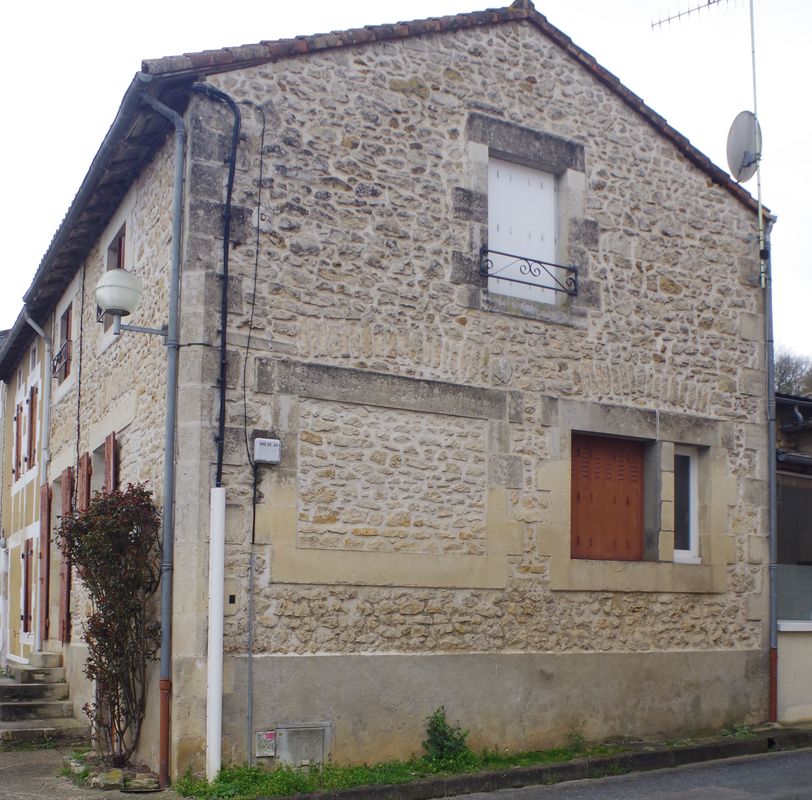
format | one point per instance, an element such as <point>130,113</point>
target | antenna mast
<point>766,285</point>
<point>762,245</point>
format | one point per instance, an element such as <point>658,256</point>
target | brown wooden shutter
<point>64,564</point>
<point>607,498</point>
<point>83,483</point>
<point>18,441</point>
<point>32,426</point>
<point>110,463</point>
<point>44,558</point>
<point>28,567</point>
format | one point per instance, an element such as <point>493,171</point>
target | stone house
<point>506,324</point>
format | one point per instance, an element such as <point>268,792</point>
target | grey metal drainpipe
<point>168,531</point>
<point>46,450</point>
<point>772,510</point>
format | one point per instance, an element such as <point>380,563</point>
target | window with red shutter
<point>607,498</point>
<point>110,463</point>
<point>62,359</point>
<point>18,441</point>
<point>33,399</point>
<point>83,483</point>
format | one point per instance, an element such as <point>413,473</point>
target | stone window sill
<point>563,314</point>
<point>583,575</point>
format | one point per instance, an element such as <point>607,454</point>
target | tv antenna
<point>744,138</point>
<point>687,13</point>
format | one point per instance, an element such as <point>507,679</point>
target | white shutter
<point>521,222</point>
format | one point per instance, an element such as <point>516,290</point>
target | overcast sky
<point>67,65</point>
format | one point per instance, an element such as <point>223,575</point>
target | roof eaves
<point>13,345</point>
<point>68,245</point>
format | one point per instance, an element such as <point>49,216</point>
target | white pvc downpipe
<point>214,682</point>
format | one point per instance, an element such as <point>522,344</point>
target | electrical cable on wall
<point>251,461</point>
<point>253,288</point>
<point>216,94</point>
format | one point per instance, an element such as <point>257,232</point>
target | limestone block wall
<point>422,503</point>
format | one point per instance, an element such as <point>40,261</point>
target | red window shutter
<point>64,564</point>
<point>607,498</point>
<point>83,483</point>
<point>44,557</point>
<point>110,463</point>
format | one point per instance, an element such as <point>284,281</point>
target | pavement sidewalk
<point>36,775</point>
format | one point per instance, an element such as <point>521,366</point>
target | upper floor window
<point>18,441</point>
<point>33,399</point>
<point>62,359</point>
<point>521,231</point>
<point>116,254</point>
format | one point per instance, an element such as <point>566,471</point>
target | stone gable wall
<point>371,213</point>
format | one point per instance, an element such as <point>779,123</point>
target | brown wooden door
<point>607,498</point>
<point>28,571</point>
<point>64,564</point>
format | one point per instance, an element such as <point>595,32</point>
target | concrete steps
<point>11,710</point>
<point>11,691</point>
<point>35,706</point>
<point>66,730</point>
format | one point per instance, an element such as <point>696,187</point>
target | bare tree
<point>793,373</point>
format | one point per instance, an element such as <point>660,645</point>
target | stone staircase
<point>35,707</point>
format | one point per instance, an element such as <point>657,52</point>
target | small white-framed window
<point>521,231</point>
<point>115,259</point>
<point>686,505</point>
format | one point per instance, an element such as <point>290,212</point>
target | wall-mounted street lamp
<point>118,293</point>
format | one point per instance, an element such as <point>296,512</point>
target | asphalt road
<point>772,776</point>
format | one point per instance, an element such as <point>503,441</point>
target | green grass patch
<point>740,731</point>
<point>247,783</point>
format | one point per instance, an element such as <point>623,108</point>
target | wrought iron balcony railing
<point>60,364</point>
<point>528,271</point>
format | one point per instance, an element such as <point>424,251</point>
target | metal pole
<point>168,532</point>
<point>769,355</point>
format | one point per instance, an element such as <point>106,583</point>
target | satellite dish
<point>744,146</point>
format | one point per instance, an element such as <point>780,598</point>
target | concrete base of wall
<point>377,704</point>
<point>794,688</point>
<point>74,657</point>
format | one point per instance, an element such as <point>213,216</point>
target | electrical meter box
<point>267,451</point>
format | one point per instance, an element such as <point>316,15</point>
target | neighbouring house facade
<point>508,327</point>
<point>794,555</point>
